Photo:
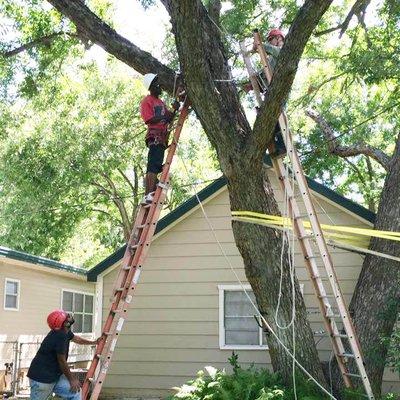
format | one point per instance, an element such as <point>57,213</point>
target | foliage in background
<point>72,162</point>
<point>352,81</point>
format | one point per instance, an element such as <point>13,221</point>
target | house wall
<point>40,293</point>
<point>172,329</point>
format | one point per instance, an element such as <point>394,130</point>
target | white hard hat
<point>148,80</point>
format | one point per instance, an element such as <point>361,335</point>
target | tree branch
<point>359,8</point>
<point>204,64</point>
<point>214,10</point>
<point>42,41</point>
<point>347,151</point>
<point>111,218</point>
<point>313,89</point>
<point>300,31</point>
<point>134,192</point>
<point>103,190</point>
<point>121,207</point>
<point>97,31</point>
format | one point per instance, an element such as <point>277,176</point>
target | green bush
<point>243,384</point>
<point>250,384</point>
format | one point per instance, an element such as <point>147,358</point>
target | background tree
<point>72,163</point>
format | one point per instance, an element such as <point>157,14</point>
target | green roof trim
<point>210,190</point>
<point>162,224</point>
<point>21,256</point>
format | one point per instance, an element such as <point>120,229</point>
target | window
<point>81,305</point>
<point>11,294</point>
<point>238,327</point>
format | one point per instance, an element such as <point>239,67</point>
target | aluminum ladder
<point>128,276</point>
<point>306,238</point>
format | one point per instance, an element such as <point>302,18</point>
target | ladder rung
<point>121,289</point>
<point>141,226</point>
<point>308,236</point>
<point>353,375</point>
<point>310,257</point>
<point>300,216</point>
<point>326,296</point>
<point>163,185</point>
<point>346,355</point>
<point>340,335</point>
<point>334,316</point>
<point>126,268</point>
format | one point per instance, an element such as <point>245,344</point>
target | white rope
<point>245,291</point>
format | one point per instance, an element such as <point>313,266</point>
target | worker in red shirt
<point>157,117</point>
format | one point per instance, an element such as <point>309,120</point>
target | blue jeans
<point>41,391</point>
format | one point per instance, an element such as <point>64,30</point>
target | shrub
<point>250,384</point>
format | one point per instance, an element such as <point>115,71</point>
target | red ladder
<point>135,255</point>
<point>306,239</point>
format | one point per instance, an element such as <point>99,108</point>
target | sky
<point>144,28</point>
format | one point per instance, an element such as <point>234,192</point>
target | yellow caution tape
<point>287,222</point>
<point>355,239</point>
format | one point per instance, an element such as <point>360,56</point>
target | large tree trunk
<point>261,249</point>
<point>240,149</point>
<point>241,153</point>
<point>376,300</point>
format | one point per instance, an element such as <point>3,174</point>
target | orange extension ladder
<point>135,255</point>
<point>305,239</point>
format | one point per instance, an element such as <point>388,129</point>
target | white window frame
<point>222,289</point>
<point>18,282</point>
<point>83,314</point>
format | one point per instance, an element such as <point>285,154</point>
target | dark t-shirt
<point>44,367</point>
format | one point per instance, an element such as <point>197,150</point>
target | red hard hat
<point>275,32</point>
<point>56,319</point>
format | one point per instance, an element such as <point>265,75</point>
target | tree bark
<point>260,248</point>
<point>376,300</point>
<point>347,151</point>
<point>97,31</point>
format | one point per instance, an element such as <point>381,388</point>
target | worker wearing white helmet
<point>157,117</point>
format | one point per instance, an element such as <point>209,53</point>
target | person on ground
<point>157,117</point>
<point>275,42</point>
<point>49,372</point>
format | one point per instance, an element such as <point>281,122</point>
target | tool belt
<point>156,136</point>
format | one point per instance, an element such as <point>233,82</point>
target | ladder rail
<point>146,221</point>
<point>305,241</point>
<point>140,218</point>
<point>278,165</point>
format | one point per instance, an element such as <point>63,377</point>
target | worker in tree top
<point>49,372</point>
<point>276,40</point>
<point>157,117</point>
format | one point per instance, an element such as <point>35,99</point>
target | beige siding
<point>40,293</point>
<point>173,328</point>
